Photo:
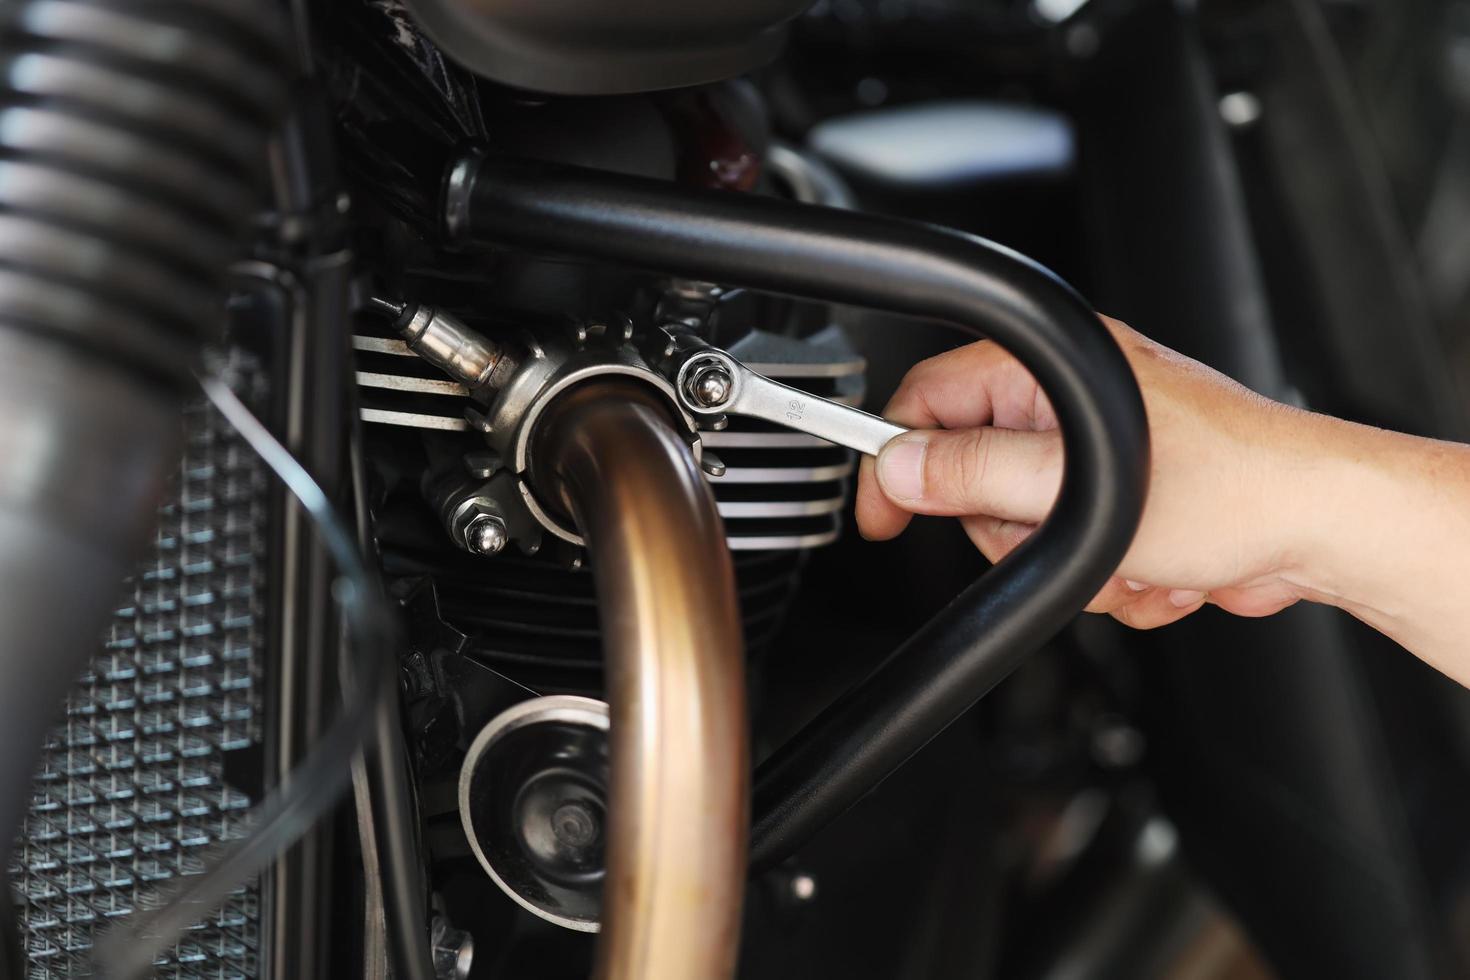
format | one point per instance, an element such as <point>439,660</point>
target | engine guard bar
<point>905,268</point>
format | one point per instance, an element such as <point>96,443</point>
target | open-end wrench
<point>711,382</point>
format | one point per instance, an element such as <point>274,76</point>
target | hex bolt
<point>710,386</point>
<point>486,535</point>
<point>453,949</point>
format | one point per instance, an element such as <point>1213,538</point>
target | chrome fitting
<point>510,415</point>
<point>709,384</point>
<point>475,523</point>
<point>486,535</point>
<point>465,355</point>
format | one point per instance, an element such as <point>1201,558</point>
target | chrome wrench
<point>711,382</point>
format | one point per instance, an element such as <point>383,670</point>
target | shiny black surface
<point>597,47</point>
<point>523,794</point>
<point>901,267</point>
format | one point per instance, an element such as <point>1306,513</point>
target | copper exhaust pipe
<point>678,807</point>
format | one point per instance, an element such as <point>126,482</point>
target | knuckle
<point>964,359</point>
<point>905,405</point>
<point>925,373</point>
<point>1135,616</point>
<point>1043,416</point>
<point>923,369</point>
<point>1050,458</point>
<point>959,468</point>
<point>1110,598</point>
<point>1128,617</point>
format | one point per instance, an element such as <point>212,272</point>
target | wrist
<point>1375,523</point>
<point>1377,518</point>
<point>1325,478</point>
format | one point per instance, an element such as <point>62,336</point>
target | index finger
<point>978,384</point>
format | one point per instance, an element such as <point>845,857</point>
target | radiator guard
<point>132,790</point>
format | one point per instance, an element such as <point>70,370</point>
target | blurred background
<point>1275,188</point>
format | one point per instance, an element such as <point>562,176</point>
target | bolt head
<point>711,386</point>
<point>486,535</point>
<point>453,950</point>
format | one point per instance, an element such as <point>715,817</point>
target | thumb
<point>1012,474</point>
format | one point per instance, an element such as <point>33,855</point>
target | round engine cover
<point>606,47</point>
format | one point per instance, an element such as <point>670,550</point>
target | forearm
<point>1253,505</point>
<point>1384,524</point>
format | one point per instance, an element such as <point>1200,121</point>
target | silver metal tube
<point>678,808</point>
<point>466,355</point>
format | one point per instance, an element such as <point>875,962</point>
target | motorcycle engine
<point>655,710</point>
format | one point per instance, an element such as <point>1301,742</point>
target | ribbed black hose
<point>902,267</point>
<point>132,140</point>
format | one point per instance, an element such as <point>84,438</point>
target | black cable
<point>393,821</point>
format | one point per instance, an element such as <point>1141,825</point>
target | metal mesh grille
<point>132,790</point>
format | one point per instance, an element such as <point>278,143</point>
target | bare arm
<point>1253,505</point>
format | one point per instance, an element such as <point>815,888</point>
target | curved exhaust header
<point>678,804</point>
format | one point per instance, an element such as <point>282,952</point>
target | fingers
<point>994,537</point>
<point>1158,607</point>
<point>1131,603</point>
<point>878,518</point>
<point>1006,473</point>
<point>1264,599</point>
<point>978,384</point>
<point>997,538</point>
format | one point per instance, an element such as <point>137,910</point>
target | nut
<point>486,535</point>
<point>709,385</point>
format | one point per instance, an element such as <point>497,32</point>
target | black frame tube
<point>901,267</point>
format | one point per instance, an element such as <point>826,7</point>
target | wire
<point>311,789</point>
<point>391,805</point>
<point>388,307</point>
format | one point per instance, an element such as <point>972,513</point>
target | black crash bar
<point>902,267</point>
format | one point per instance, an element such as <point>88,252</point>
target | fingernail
<point>901,469</point>
<point>1135,586</point>
<point>1184,598</point>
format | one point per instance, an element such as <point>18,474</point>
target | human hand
<point>1222,516</point>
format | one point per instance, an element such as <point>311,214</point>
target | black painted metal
<point>596,47</point>
<point>305,904</point>
<point>902,267</point>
